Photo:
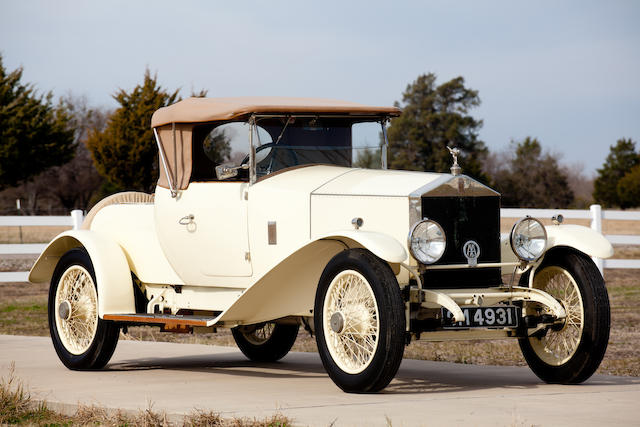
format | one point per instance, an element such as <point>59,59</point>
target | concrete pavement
<point>179,378</point>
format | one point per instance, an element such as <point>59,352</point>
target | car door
<point>203,231</point>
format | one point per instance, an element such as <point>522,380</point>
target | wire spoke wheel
<point>76,309</point>
<point>351,321</point>
<point>260,334</point>
<point>558,346</point>
<point>570,350</point>
<point>359,321</point>
<point>265,342</point>
<point>81,339</point>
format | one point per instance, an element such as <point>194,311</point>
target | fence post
<point>596,224</point>
<point>76,219</point>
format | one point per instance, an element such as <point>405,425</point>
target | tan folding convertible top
<point>198,110</point>
<point>174,124</point>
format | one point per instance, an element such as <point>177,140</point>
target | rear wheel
<point>265,342</point>
<point>81,339</point>
<point>359,321</point>
<point>570,352</point>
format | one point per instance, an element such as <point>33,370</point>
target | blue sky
<point>565,72</point>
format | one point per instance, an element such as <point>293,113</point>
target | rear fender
<point>113,276</point>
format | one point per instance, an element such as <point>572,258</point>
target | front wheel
<point>570,352</point>
<point>81,339</point>
<point>359,321</point>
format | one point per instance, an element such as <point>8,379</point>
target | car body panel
<point>288,289</point>
<point>203,232</point>
<point>113,276</point>
<point>579,237</point>
<point>132,226</point>
<point>375,182</point>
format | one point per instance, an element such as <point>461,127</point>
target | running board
<point>167,321</point>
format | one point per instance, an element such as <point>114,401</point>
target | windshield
<point>286,141</point>
<point>296,141</point>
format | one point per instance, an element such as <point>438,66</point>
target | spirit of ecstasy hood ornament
<point>455,169</point>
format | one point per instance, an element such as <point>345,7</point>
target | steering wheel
<point>263,168</point>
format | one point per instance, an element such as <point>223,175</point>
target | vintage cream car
<point>294,236</point>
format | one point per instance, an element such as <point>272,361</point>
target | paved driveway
<point>179,378</point>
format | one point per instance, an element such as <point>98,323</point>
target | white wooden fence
<point>595,214</point>
<point>74,220</point>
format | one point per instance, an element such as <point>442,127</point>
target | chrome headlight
<point>528,239</point>
<point>427,241</point>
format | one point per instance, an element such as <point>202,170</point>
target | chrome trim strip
<point>464,266</point>
<point>432,185</point>
<point>252,151</point>
<point>465,187</point>
<point>383,149</point>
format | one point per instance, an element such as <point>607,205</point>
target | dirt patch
<point>17,262</point>
<point>30,234</point>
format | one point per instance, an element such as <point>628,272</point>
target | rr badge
<point>471,251</point>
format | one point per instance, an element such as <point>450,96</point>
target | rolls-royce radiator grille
<point>464,219</point>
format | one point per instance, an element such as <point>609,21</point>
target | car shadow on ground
<point>227,364</point>
<point>413,377</point>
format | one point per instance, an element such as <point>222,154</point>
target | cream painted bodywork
<point>132,227</point>
<point>113,276</point>
<point>203,232</point>
<point>252,253</point>
<point>581,238</point>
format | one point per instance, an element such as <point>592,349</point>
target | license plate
<point>483,317</point>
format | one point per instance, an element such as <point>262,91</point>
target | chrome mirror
<point>225,172</point>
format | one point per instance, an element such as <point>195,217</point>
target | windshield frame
<point>255,118</point>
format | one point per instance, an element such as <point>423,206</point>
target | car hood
<point>373,182</point>
<point>340,181</point>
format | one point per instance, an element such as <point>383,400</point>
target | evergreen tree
<point>34,135</point>
<point>621,159</point>
<point>368,158</point>
<point>217,146</point>
<point>125,152</point>
<point>628,189</point>
<point>530,179</point>
<point>433,118</point>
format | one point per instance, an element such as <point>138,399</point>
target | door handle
<point>186,220</point>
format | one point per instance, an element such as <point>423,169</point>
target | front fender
<point>579,237</point>
<point>381,245</point>
<point>113,276</point>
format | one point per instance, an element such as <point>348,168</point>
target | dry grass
<point>18,407</point>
